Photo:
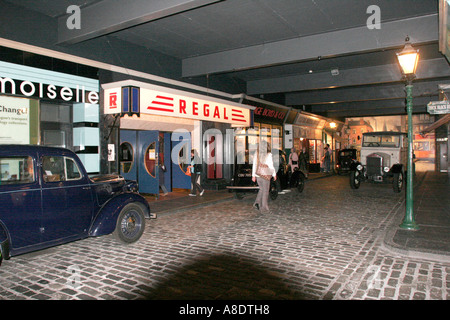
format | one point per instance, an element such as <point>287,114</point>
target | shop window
<point>126,157</point>
<point>56,125</point>
<point>54,138</point>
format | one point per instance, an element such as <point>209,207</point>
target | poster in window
<point>14,120</point>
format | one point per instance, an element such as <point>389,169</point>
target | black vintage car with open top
<point>242,180</point>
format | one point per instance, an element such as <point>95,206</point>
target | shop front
<point>45,107</point>
<point>307,131</point>
<point>269,119</point>
<point>311,134</point>
<point>158,127</point>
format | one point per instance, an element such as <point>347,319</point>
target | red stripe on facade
<point>159,109</point>
<point>163,103</point>
<point>162,97</point>
<point>241,120</point>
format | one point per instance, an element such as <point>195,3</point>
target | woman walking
<point>196,171</point>
<point>262,172</point>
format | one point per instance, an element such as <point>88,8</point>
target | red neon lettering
<point>113,100</point>
<point>183,106</point>
<point>206,110</point>
<point>216,112</point>
<point>258,110</point>
<point>225,114</point>
<point>194,108</point>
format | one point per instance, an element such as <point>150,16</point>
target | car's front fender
<point>105,221</point>
<point>4,244</point>
<point>353,165</point>
<point>397,168</point>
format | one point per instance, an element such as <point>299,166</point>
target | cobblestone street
<point>323,244</point>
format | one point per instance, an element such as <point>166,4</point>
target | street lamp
<point>408,59</point>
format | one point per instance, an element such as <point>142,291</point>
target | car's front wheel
<point>238,195</point>
<point>354,179</point>
<point>273,191</point>
<point>301,183</point>
<point>398,182</point>
<point>130,224</point>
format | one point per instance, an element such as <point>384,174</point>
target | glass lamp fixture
<point>408,59</point>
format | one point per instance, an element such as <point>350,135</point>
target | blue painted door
<point>165,160</point>
<point>127,154</point>
<point>181,153</point>
<point>147,158</point>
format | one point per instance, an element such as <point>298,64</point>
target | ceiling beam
<point>364,93</point>
<point>427,69</point>
<point>341,114</point>
<point>392,34</point>
<point>108,16</point>
<point>367,108</point>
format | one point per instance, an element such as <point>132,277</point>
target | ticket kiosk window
<point>150,159</point>
<point>126,155</point>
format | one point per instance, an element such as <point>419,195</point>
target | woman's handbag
<point>264,171</point>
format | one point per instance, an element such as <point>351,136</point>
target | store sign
<point>277,115</point>
<point>47,91</point>
<point>158,100</point>
<point>438,107</point>
<point>266,113</point>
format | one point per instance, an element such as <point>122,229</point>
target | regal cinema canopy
<point>142,98</point>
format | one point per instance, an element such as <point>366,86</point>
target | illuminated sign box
<point>157,100</point>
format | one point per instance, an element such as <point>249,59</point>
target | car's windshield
<point>387,141</point>
<point>347,153</point>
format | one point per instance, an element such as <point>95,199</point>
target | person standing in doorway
<point>196,171</point>
<point>326,159</point>
<point>303,160</point>
<point>262,172</point>
<point>293,160</point>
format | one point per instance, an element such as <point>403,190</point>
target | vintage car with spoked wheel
<point>242,181</point>
<point>383,159</point>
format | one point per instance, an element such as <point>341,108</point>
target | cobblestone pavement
<point>325,243</point>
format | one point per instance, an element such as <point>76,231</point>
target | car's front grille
<point>374,167</point>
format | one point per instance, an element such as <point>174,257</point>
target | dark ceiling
<point>327,57</point>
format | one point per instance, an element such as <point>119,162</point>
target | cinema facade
<point>143,130</point>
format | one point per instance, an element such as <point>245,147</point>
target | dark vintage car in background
<point>242,180</point>
<point>47,199</point>
<point>345,157</point>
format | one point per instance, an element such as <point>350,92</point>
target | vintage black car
<point>47,199</point>
<point>242,181</point>
<point>345,157</point>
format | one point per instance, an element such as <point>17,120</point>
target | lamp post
<point>408,59</point>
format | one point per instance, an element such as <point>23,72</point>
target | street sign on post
<point>438,107</point>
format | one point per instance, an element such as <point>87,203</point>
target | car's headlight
<point>359,167</point>
<point>386,169</point>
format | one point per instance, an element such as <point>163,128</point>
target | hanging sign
<point>438,107</point>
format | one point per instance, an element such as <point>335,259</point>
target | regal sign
<point>158,100</point>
